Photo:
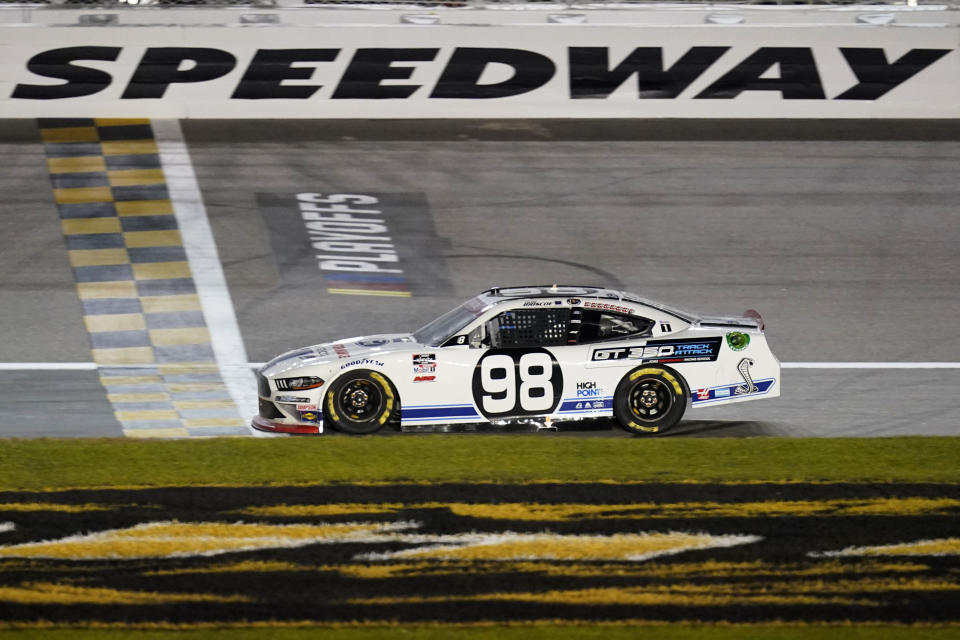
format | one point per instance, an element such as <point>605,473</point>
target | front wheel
<point>650,400</point>
<point>360,402</point>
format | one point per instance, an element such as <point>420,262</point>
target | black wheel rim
<point>650,400</point>
<point>360,400</point>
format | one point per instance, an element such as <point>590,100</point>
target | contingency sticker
<point>424,367</point>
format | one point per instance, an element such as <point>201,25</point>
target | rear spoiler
<point>750,320</point>
<point>753,313</point>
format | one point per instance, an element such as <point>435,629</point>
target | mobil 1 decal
<point>517,382</point>
<point>356,242</point>
<point>685,350</point>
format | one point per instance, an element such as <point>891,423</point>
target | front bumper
<point>269,426</point>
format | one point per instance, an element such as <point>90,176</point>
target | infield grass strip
<point>427,561</point>
<point>672,631</point>
<point>59,464</point>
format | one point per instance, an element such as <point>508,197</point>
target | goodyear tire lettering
<point>361,402</point>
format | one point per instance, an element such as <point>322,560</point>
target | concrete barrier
<point>825,63</point>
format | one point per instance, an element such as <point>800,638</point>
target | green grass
<point>59,464</point>
<point>518,632</point>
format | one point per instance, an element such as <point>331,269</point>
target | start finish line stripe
<point>146,313</point>
<point>208,277</point>
<point>91,366</point>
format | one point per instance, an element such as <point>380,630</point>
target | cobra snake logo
<point>744,369</point>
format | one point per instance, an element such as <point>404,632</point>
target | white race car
<point>536,353</point>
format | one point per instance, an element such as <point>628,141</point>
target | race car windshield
<point>437,332</point>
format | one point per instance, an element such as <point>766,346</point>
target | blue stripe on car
<point>439,412</point>
<point>586,406</point>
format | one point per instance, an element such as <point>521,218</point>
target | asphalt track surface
<point>843,235</point>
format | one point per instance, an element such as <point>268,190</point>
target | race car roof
<point>513,292</point>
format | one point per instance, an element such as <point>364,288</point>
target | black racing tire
<point>360,402</point>
<point>650,400</point>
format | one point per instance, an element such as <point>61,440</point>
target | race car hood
<point>330,352</point>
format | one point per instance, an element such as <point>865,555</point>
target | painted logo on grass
<point>184,539</point>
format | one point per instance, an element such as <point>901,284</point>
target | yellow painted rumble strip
<point>152,414</point>
<point>140,239</point>
<point>135,177</point>
<point>119,122</point>
<point>205,366</point>
<point>186,405</point>
<point>126,355</point>
<point>79,164</point>
<point>190,335</point>
<point>161,270</point>
<point>69,134</point>
<point>138,397</point>
<point>72,226</point>
<point>47,593</point>
<point>128,147</point>
<point>173,432</point>
<point>186,387</point>
<point>370,292</point>
<point>200,423</point>
<point>114,289</point>
<point>109,381</point>
<point>81,195</point>
<point>97,162</point>
<point>144,207</point>
<point>162,304</point>
<point>115,322</point>
<point>98,257</point>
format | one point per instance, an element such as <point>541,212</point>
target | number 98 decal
<point>517,382</point>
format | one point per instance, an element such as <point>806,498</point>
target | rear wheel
<point>650,400</point>
<point>360,402</point>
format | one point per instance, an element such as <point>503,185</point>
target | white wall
<point>812,63</point>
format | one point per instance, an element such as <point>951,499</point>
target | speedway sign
<point>458,71</point>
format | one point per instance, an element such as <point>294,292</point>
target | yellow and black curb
<point>148,335</point>
<point>483,553</point>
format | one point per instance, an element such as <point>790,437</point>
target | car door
<point>521,370</point>
<point>612,344</point>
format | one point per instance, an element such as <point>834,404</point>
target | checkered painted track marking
<point>148,335</point>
